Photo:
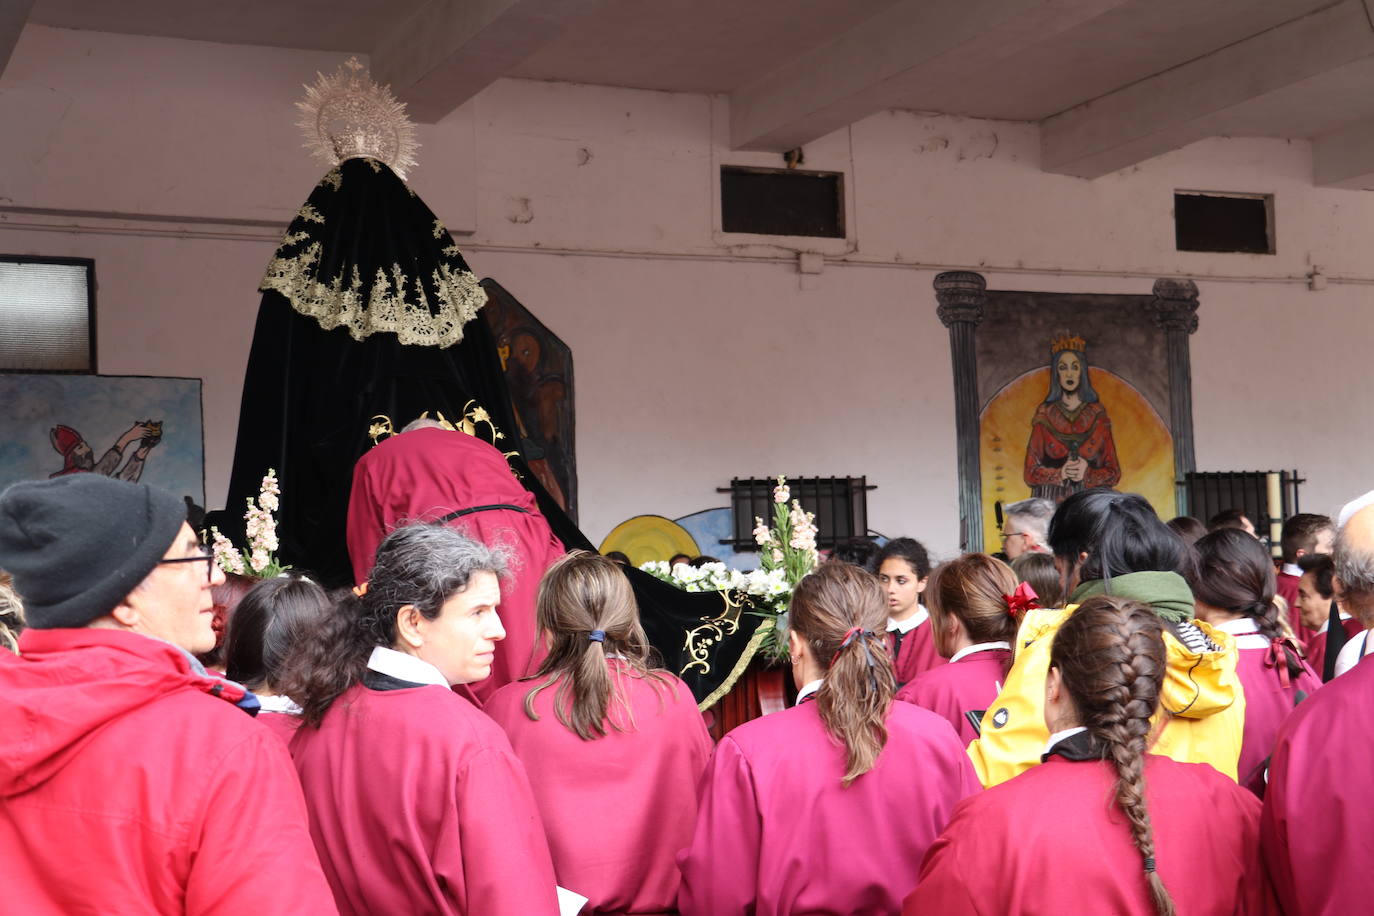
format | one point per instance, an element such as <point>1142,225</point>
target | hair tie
<point>360,590</point>
<point>597,636</point>
<point>1023,599</point>
<point>1149,865</point>
<point>863,635</point>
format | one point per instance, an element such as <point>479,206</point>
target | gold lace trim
<point>383,307</point>
<point>750,650</point>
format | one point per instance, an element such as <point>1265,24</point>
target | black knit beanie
<point>78,544</point>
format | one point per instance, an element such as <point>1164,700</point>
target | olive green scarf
<point>1166,592</point>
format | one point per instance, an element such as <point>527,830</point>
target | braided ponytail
<point>839,611</point>
<point>1111,659</point>
<point>1235,574</point>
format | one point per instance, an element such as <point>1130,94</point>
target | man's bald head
<point>1354,556</point>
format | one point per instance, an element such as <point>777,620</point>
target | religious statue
<point>1070,445</point>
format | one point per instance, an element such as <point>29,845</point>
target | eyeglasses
<point>204,555</point>
<point>1014,534</point>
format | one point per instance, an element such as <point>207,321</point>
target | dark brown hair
<point>582,595</point>
<point>857,694</point>
<point>1300,533</point>
<point>1234,573</point>
<point>1111,660</point>
<point>1039,572</point>
<point>973,589</point>
<point>275,615</point>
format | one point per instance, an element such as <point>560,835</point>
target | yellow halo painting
<point>1144,449</point>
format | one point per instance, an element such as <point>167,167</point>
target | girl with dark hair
<point>1113,543</point>
<point>1038,571</point>
<point>827,807</point>
<point>1178,837</point>
<point>273,616</point>
<point>417,802</point>
<point>596,722</point>
<point>1234,592</point>
<point>973,604</point>
<point>903,568</point>
<point>1070,447</point>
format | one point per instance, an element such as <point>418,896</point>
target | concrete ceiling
<point>1111,82</point>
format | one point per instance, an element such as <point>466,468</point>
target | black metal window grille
<point>1210,492</point>
<point>840,504</point>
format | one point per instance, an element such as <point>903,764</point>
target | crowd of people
<point>1124,716</point>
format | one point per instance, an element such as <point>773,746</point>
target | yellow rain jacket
<point>1202,695</point>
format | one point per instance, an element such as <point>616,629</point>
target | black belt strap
<point>459,513</point>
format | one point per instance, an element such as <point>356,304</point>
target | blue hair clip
<point>597,636</point>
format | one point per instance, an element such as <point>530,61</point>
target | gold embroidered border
<point>750,650</point>
<point>334,304</point>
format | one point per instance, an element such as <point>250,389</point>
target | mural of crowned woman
<point>1070,446</point>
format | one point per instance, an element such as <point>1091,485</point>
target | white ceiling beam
<point>1169,110</point>
<point>1345,158</point>
<point>13,15</point>
<point>870,67</point>
<point>450,50</point>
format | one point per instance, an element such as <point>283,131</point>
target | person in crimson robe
<point>272,617</point>
<point>1233,586</point>
<point>614,749</point>
<point>814,809</point>
<point>1304,534</point>
<point>903,569</point>
<point>417,802</point>
<point>1319,607</point>
<point>973,601</point>
<point>1318,826</point>
<point>1070,446</point>
<point>1176,835</point>
<point>430,473</point>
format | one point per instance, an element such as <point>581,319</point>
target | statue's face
<point>1070,370</point>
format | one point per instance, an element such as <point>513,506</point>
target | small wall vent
<point>782,202</point>
<point>1205,221</point>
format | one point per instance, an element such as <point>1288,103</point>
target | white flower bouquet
<point>259,560</point>
<point>787,552</point>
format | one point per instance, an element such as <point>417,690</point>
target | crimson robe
<point>618,808</point>
<point>424,475</point>
<point>1048,842</point>
<point>1269,698</point>
<point>777,833</point>
<point>916,653</point>
<point>1318,822</point>
<point>1286,587</point>
<point>418,805</point>
<point>952,690</point>
<point>282,725</point>
<point>1316,649</point>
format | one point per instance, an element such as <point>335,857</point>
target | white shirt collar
<point>1246,632</point>
<point>978,647</point>
<point>279,704</point>
<point>1351,653</point>
<point>906,626</point>
<point>809,688</point>
<point>1293,569</point>
<point>405,667</point>
<point>1060,736</point>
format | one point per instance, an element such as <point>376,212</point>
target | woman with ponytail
<point>1233,587</point>
<point>417,802</point>
<point>1174,838</point>
<point>827,807</point>
<point>614,748</point>
<point>974,602</point>
<point>1108,543</point>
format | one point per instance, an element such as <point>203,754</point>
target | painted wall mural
<point>1058,392</point>
<point>135,428</point>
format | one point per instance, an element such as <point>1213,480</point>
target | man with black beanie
<point>128,779</point>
